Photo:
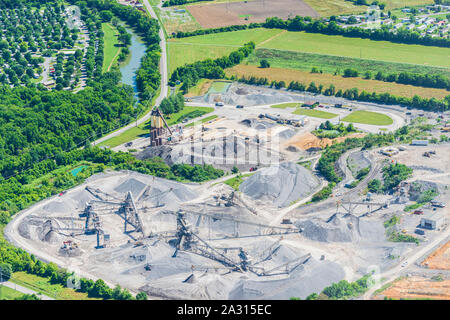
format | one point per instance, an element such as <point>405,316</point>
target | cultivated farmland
<point>339,82</point>
<point>225,14</point>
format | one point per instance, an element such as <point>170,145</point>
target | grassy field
<point>236,181</point>
<point>334,7</point>
<point>367,117</point>
<point>330,64</point>
<point>286,105</point>
<point>337,7</point>
<point>339,82</point>
<point>391,4</point>
<point>315,113</point>
<point>8,293</point>
<point>127,136</point>
<point>142,129</point>
<point>111,50</point>
<point>200,88</point>
<point>219,86</point>
<point>188,50</point>
<point>44,286</point>
<point>360,48</point>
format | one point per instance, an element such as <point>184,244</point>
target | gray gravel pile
<point>314,276</point>
<point>80,198</point>
<point>255,96</point>
<point>287,134</point>
<point>258,124</point>
<point>46,233</point>
<point>342,228</point>
<point>135,186</point>
<point>59,207</point>
<point>281,184</point>
<point>168,195</point>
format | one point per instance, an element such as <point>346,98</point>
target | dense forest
<point>330,28</point>
<point>36,125</point>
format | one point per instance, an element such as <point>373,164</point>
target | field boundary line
<point>272,37</point>
<point>205,44</point>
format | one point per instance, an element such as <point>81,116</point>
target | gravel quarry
<point>260,240</point>
<point>232,251</point>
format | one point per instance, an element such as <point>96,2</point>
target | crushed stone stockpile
<point>281,184</point>
<point>258,124</point>
<point>250,96</point>
<point>159,191</point>
<point>219,153</point>
<point>314,276</point>
<point>342,228</point>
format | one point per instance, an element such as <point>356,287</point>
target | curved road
<point>164,78</point>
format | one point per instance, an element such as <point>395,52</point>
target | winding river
<point>133,61</point>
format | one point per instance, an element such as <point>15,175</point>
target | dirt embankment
<point>418,288</point>
<point>439,259</point>
<point>308,141</point>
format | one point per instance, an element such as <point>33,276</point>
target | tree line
<point>170,3</point>
<point>416,102</point>
<point>189,74</point>
<point>16,259</point>
<point>329,28</point>
<point>416,79</point>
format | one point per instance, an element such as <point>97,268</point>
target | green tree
<point>264,63</point>
<point>375,186</point>
<point>6,271</point>
<point>141,296</point>
<point>106,15</point>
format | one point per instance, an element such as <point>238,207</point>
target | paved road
<point>16,287</point>
<point>164,78</point>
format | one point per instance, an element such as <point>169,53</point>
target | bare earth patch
<point>226,14</point>
<point>307,140</point>
<point>419,288</point>
<point>439,259</point>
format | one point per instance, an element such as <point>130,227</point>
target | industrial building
<point>419,143</point>
<point>433,222</point>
